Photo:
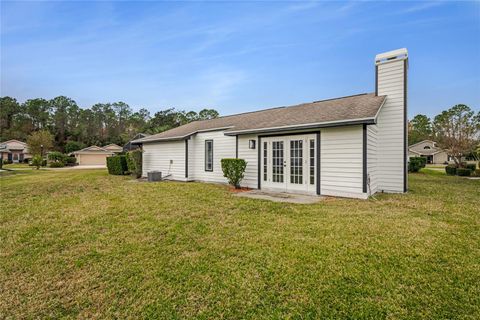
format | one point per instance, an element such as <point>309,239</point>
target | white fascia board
<point>138,141</point>
<point>303,126</point>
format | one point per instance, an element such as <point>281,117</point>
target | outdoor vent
<point>251,144</point>
<point>391,55</point>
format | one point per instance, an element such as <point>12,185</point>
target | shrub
<point>37,161</point>
<point>56,156</point>
<point>233,170</point>
<point>57,164</point>
<point>451,170</point>
<point>416,163</point>
<point>6,161</point>
<point>70,161</point>
<point>134,163</point>
<point>1,163</point>
<point>463,172</point>
<point>476,173</point>
<point>471,166</point>
<point>117,165</point>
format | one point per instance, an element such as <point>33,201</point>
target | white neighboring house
<point>349,147</point>
<point>14,150</point>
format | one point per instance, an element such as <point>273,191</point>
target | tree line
<point>101,124</point>
<point>457,130</point>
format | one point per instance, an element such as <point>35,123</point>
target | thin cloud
<point>421,7</point>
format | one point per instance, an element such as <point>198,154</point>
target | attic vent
<point>399,54</point>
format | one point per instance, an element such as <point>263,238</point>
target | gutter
<point>305,126</point>
<point>175,138</point>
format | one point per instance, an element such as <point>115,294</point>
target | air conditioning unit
<point>154,176</point>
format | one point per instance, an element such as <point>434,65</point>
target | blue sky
<point>236,56</point>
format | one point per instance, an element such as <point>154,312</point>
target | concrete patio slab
<point>280,197</point>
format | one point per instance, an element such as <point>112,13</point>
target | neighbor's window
<point>208,155</point>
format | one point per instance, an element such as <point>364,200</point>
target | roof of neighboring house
<point>113,147</point>
<point>361,108</point>
<point>427,152</point>
<point>93,150</point>
<point>128,146</point>
<point>23,145</point>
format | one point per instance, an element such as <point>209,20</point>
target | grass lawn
<point>17,166</point>
<point>82,244</point>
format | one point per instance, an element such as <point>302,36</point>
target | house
<point>349,147</point>
<point>429,150</point>
<point>14,151</point>
<point>129,146</point>
<point>96,156</point>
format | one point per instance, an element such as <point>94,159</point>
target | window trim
<point>206,156</point>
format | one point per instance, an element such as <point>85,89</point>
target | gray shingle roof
<point>360,108</point>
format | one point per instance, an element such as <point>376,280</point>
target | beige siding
<point>167,157</point>
<point>342,161</point>
<point>91,159</point>
<point>391,127</point>
<point>372,145</point>
<point>440,158</point>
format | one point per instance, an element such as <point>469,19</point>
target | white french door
<point>288,163</point>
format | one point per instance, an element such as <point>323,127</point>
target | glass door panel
<point>277,161</point>
<point>296,161</point>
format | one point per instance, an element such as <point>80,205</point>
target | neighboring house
<point>94,155</point>
<point>351,146</point>
<point>113,147</point>
<point>14,150</point>
<point>429,150</point>
<point>129,146</point>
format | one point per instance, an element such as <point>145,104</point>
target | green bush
<point>70,161</point>
<point>117,165</point>
<point>476,173</point>
<point>37,161</point>
<point>233,170</point>
<point>6,161</point>
<point>471,166</point>
<point>451,169</point>
<point>416,163</point>
<point>56,156</point>
<point>57,164</point>
<point>463,172</point>
<point>134,163</point>
<point>1,163</point>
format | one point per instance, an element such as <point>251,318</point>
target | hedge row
<point>465,171</point>
<point>117,165</point>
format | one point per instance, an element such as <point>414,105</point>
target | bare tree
<point>457,131</point>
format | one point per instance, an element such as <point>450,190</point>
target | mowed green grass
<point>83,244</point>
